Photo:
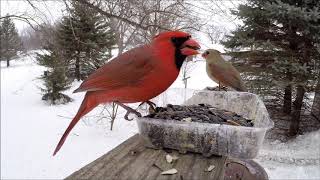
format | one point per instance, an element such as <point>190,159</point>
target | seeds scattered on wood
<point>169,172</point>
<point>169,158</point>
<point>210,168</point>
<point>188,119</point>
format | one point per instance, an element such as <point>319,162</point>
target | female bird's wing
<point>128,69</point>
<point>227,75</point>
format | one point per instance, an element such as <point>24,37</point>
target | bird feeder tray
<point>207,138</point>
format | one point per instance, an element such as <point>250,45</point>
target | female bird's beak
<point>205,54</point>
<point>190,47</point>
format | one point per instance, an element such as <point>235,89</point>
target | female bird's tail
<point>242,87</point>
<point>87,105</point>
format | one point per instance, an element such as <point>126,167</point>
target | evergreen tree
<point>10,40</point>
<point>315,111</point>
<point>289,31</point>
<point>55,79</point>
<point>86,39</point>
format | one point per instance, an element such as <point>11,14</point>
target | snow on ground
<point>30,130</point>
<point>296,159</point>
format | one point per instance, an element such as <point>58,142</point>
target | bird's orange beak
<point>190,47</point>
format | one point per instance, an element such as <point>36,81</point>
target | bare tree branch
<point>109,15</point>
<point>22,17</point>
<point>31,4</point>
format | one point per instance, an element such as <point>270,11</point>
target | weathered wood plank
<point>197,170</point>
<point>183,165</point>
<point>104,162</point>
<point>219,168</point>
<point>139,166</point>
<point>131,160</point>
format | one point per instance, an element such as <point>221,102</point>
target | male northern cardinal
<point>222,71</point>
<point>136,75</point>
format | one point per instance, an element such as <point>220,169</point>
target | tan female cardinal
<point>136,75</point>
<point>222,71</point>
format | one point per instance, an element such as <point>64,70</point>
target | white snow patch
<point>297,159</point>
<point>30,129</point>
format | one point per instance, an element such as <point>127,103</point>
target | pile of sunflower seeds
<point>203,113</point>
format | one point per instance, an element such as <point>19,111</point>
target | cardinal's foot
<point>126,116</point>
<point>152,106</point>
<point>224,88</point>
<point>129,110</point>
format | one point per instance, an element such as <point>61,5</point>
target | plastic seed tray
<point>212,139</point>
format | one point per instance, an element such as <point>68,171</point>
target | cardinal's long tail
<point>87,105</point>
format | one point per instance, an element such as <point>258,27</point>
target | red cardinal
<point>136,75</point>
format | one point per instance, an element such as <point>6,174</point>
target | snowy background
<point>30,130</point>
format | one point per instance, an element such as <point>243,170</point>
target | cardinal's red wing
<point>128,69</point>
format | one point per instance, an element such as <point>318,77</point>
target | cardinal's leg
<point>152,104</point>
<point>224,88</point>
<point>129,110</point>
<point>219,86</point>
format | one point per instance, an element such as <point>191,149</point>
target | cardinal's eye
<point>174,39</point>
<point>207,53</point>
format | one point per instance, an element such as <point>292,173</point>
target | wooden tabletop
<point>131,160</point>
